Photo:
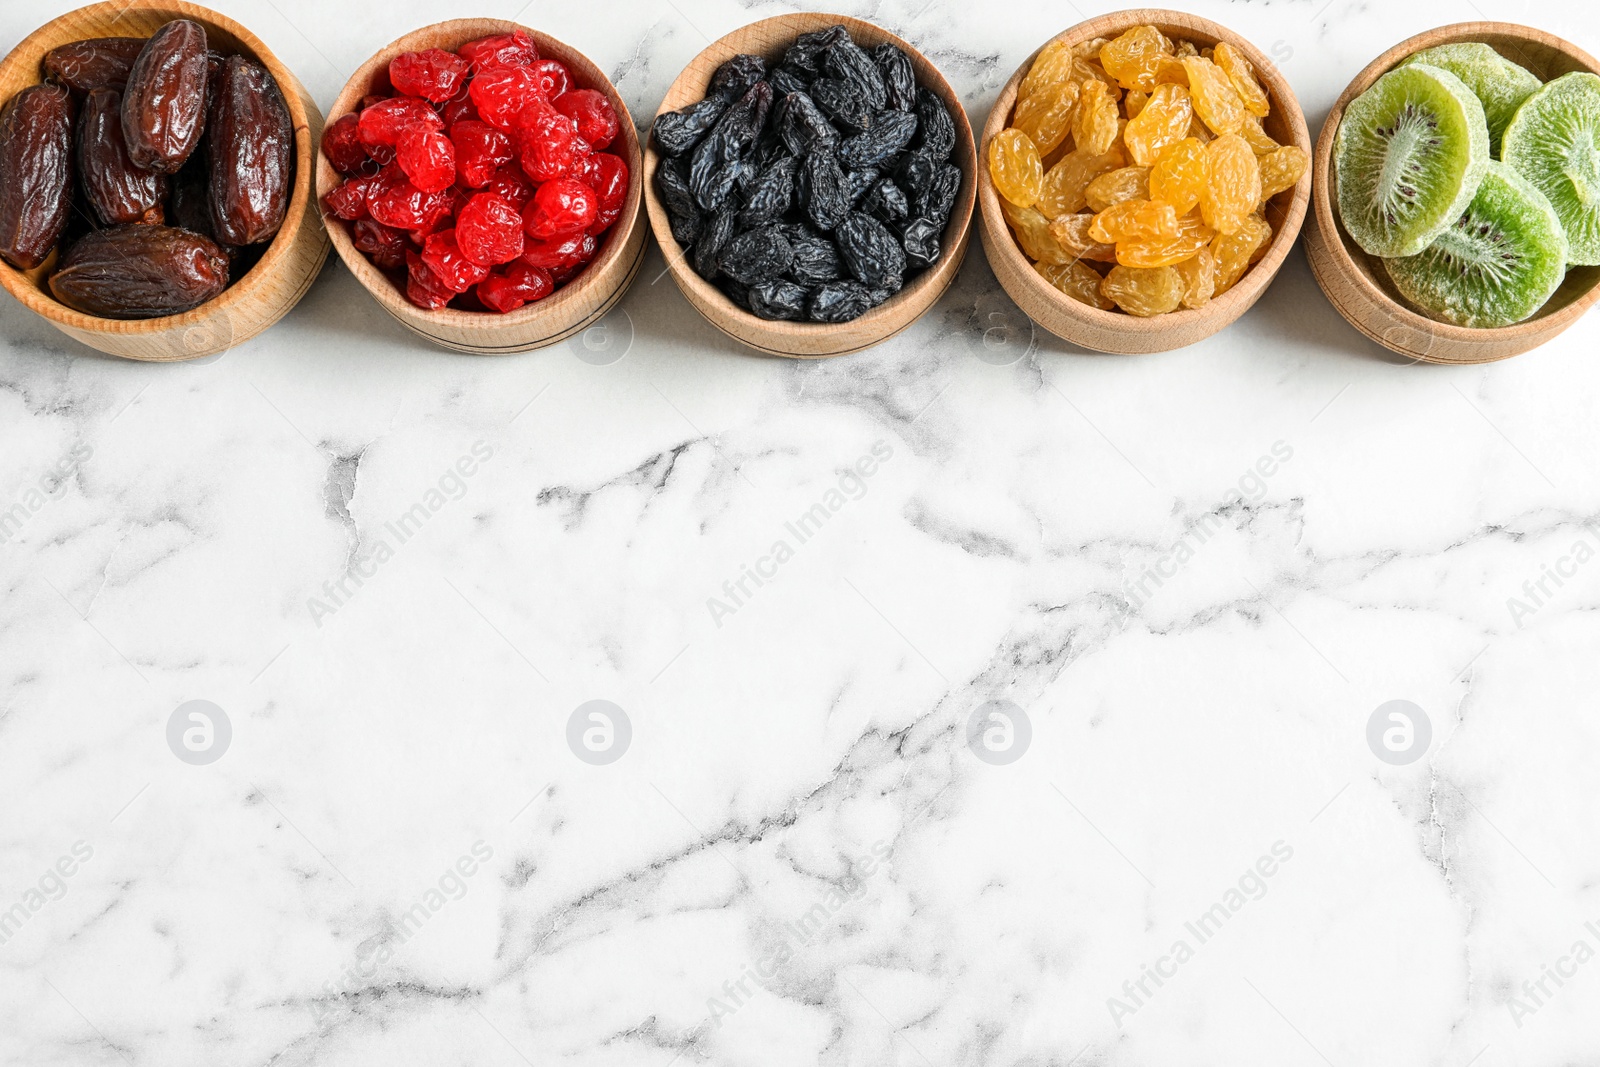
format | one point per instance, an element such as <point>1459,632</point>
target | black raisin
<point>785,82</point>
<point>936,129</point>
<point>846,61</point>
<point>886,201</point>
<point>939,196</point>
<point>898,76</point>
<point>739,294</point>
<point>857,183</point>
<point>869,251</point>
<point>804,56</point>
<point>921,242</point>
<point>673,189</point>
<point>711,167</point>
<point>889,133</point>
<point>803,126</point>
<point>677,132</point>
<point>735,77</point>
<point>778,299</point>
<point>917,172</point>
<point>840,302</point>
<point>714,237</point>
<point>816,260</point>
<point>773,194</point>
<point>842,103</point>
<point>821,189</point>
<point>757,256</point>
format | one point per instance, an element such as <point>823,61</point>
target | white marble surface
<point>803,755</point>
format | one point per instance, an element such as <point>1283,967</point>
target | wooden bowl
<point>1115,331</point>
<point>569,310</point>
<point>770,38</point>
<point>276,282</point>
<point>1357,284</point>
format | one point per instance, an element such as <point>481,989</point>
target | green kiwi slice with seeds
<point>1499,84</point>
<point>1554,142</point>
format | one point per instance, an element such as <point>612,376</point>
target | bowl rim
<point>382,287</point>
<point>881,322</point>
<point>1327,221</point>
<point>1230,305</point>
<point>23,284</point>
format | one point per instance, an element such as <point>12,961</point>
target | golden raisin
<point>1046,116</point>
<point>1052,66</point>
<point>1243,77</point>
<point>1134,102</point>
<point>1233,183</point>
<point>1193,235</point>
<point>1280,170</point>
<point>1163,122</point>
<point>1252,132</point>
<point>1135,220</point>
<point>1078,281</point>
<point>1015,167</point>
<point>1199,274</point>
<point>1216,101</point>
<point>1179,177</point>
<point>1094,125</point>
<point>1186,48</point>
<point>1170,71</point>
<point>1199,132</point>
<point>1071,232</point>
<point>1089,49</point>
<point>1236,251</point>
<point>1085,70</point>
<point>1066,184</point>
<point>1144,292</point>
<point>1132,58</point>
<point>1033,233</point>
<point>1115,186</point>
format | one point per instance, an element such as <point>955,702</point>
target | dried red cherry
<point>489,230</point>
<point>433,74</point>
<point>443,256</point>
<point>503,93</point>
<point>348,199</point>
<point>428,157</point>
<point>550,147</point>
<point>510,183</point>
<point>423,287</point>
<point>593,113</point>
<point>386,247</point>
<point>553,77</point>
<point>480,151</point>
<point>608,176</point>
<point>395,202</point>
<point>341,143</point>
<point>461,109</point>
<point>562,254</point>
<point>519,285</point>
<point>502,50</point>
<point>560,207</point>
<point>382,124</point>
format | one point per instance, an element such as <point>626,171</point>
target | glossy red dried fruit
<point>501,94</point>
<point>608,176</point>
<point>395,202</point>
<point>433,74</point>
<point>565,254</point>
<point>386,247</point>
<point>443,256</point>
<point>480,151</point>
<point>117,190</point>
<point>511,183</point>
<point>250,151</point>
<point>501,50</point>
<point>164,103</point>
<point>35,173</point>
<point>341,143</point>
<point>592,112</point>
<point>382,124</point>
<point>101,63</point>
<point>560,207</point>
<point>549,147</point>
<point>423,287</point>
<point>489,230</point>
<point>552,77</point>
<point>461,109</point>
<point>140,272</point>
<point>520,284</point>
<point>348,199</point>
<point>428,157</point>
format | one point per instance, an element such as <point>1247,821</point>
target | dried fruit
<point>936,130</point>
<point>480,151</point>
<point>596,119</point>
<point>1094,124</point>
<point>562,255</point>
<point>1135,220</point>
<point>1164,251</point>
<point>1235,251</point>
<point>1071,232</point>
<point>518,285</point>
<point>888,136</point>
<point>424,288</point>
<point>1179,177</point>
<point>1033,234</point>
<point>1281,170</point>
<point>381,124</point>
<point>712,167</point>
<point>341,143</point>
<point>820,187</point>
<point>1233,183</point>
<point>1132,58</point>
<point>489,230</point>
<point>899,77</point>
<point>249,153</point>
<point>1015,167</point>
<point>869,251</point>
<point>1046,116</point>
<point>559,208</point>
<point>433,74</point>
<point>1216,101</point>
<point>676,132</point>
<point>1078,281</point>
<point>101,63</point>
<point>1115,186</point>
<point>1163,123</point>
<point>1066,184</point>
<point>35,173</point>
<point>140,272</point>
<point>841,301</point>
<point>387,248</point>
<point>549,146</point>
<point>442,255</point>
<point>164,103</point>
<point>1199,274</point>
<point>1144,292</point>
<point>1554,142</point>
<point>500,94</point>
<point>428,158</point>
<point>117,190</point>
<point>1243,76</point>
<point>1257,137</point>
<point>515,49</point>
<point>757,256</point>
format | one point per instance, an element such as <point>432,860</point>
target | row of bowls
<point>1356,285</point>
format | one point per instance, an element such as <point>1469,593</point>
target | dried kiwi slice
<point>1554,142</point>
<point>1499,84</point>
<point>1409,155</point>
<point>1497,265</point>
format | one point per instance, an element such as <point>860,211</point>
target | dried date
<point>250,154</point>
<point>140,272</point>
<point>35,173</point>
<point>164,104</point>
<point>100,63</point>
<point>118,191</point>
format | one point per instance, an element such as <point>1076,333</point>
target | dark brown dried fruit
<point>921,241</point>
<point>784,82</point>
<point>842,103</point>
<point>164,104</point>
<point>777,299</point>
<point>936,129</point>
<point>35,173</point>
<point>803,126</point>
<point>898,75</point>
<point>841,302</point>
<point>140,272</point>
<point>101,63</point>
<point>119,191</point>
<point>846,61</point>
<point>189,202</point>
<point>677,132</point>
<point>714,236</point>
<point>870,252</point>
<point>712,169</point>
<point>250,153</point>
<point>805,55</point>
<point>821,189</point>
<point>816,260</point>
<point>886,201</point>
<point>772,195</point>
<point>888,135</point>
<point>672,186</point>
<point>757,256</point>
<point>735,77</point>
<point>936,199</point>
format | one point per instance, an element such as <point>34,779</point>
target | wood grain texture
<point>569,310</point>
<point>273,286</point>
<point>770,38</point>
<point>1357,284</point>
<point>1114,331</point>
